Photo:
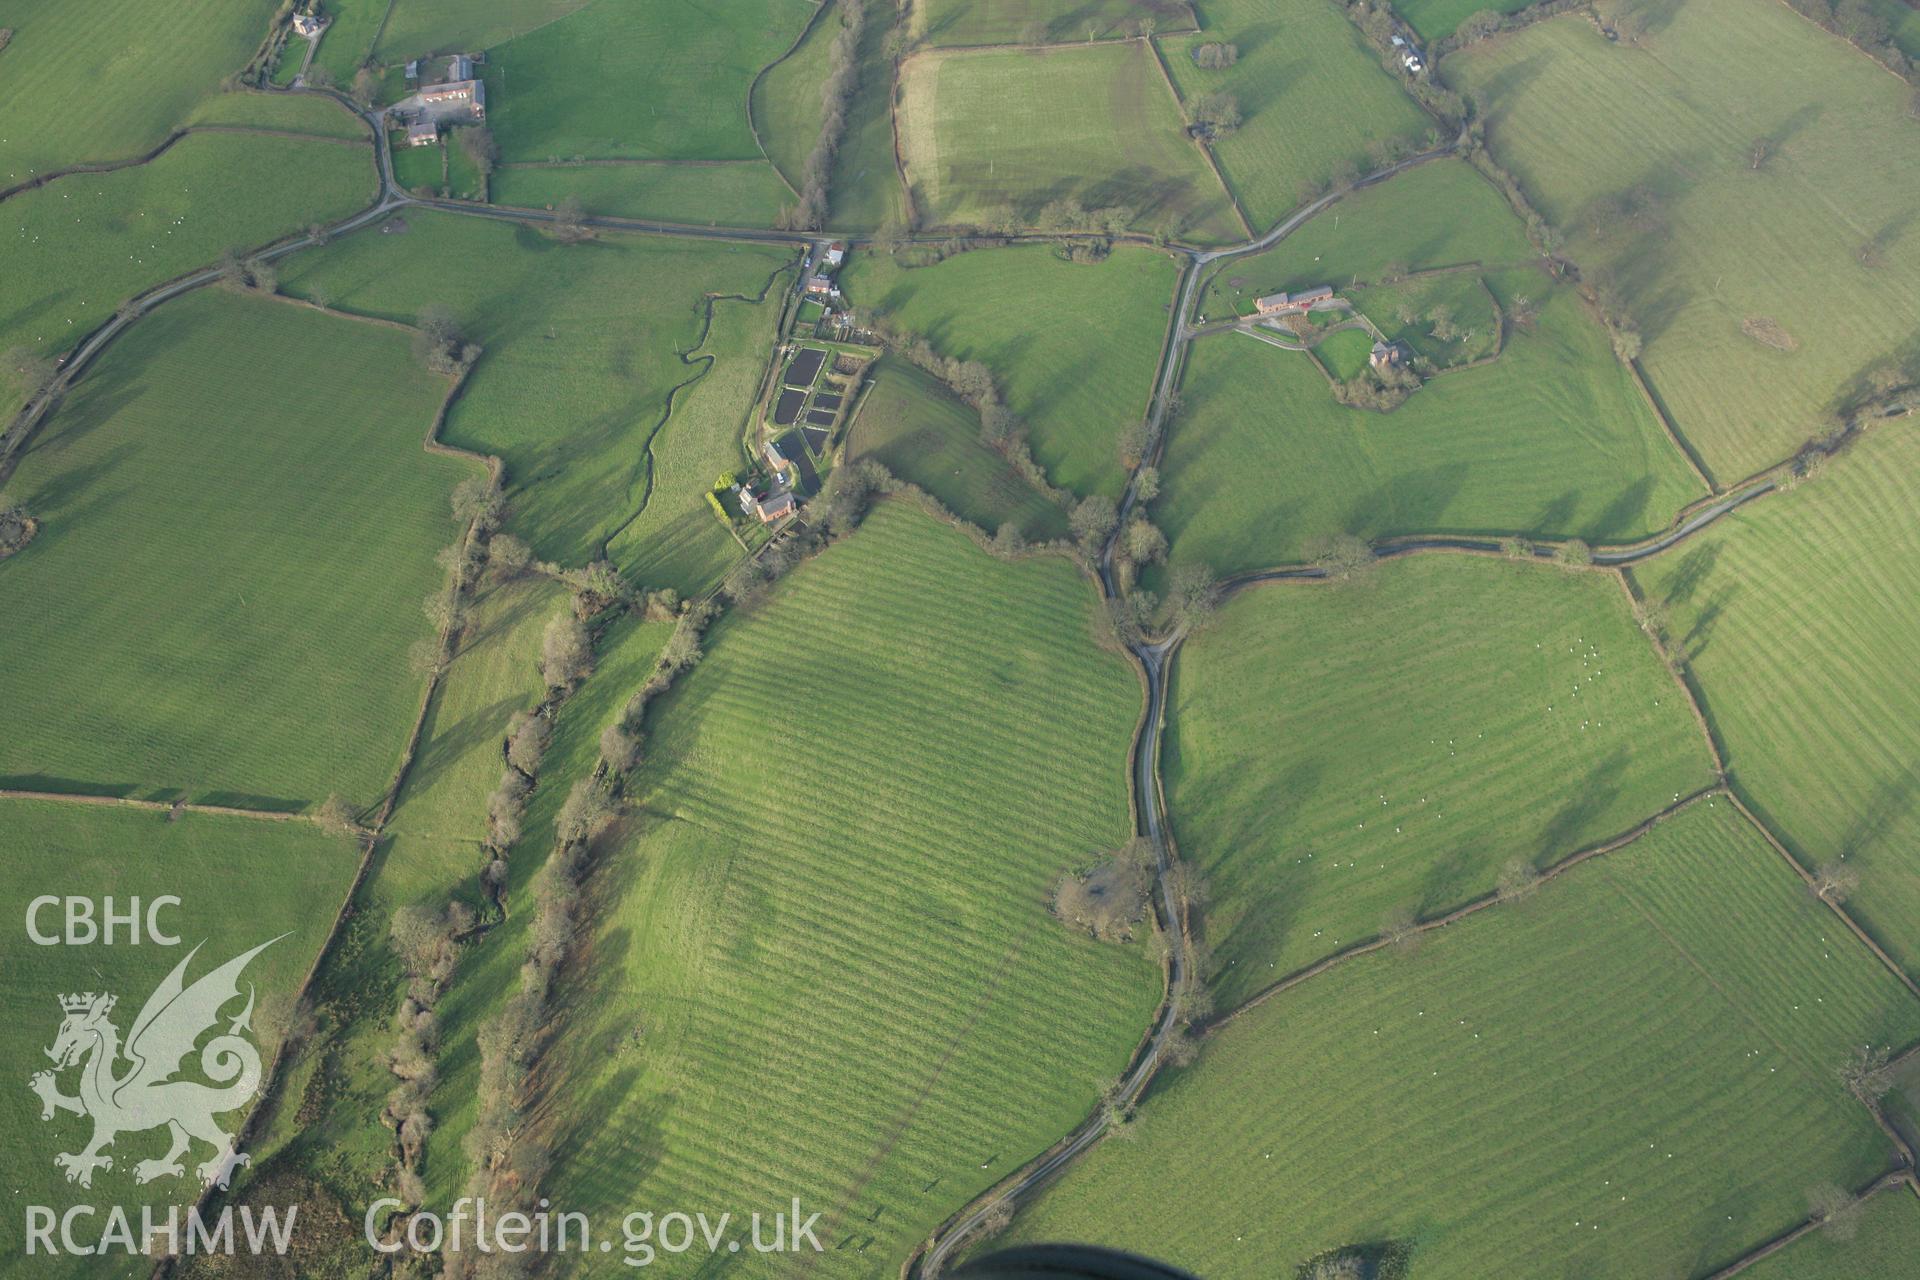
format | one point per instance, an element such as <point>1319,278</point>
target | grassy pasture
<point>352,28</point>
<point>1551,439</point>
<point>582,346</point>
<point>973,22</point>
<point>417,27</point>
<point>987,128</point>
<point>675,540</point>
<point>1437,19</point>
<point>915,428</point>
<point>78,246</point>
<point>240,882</point>
<point>137,75</point>
<point>865,190</point>
<point>662,80</point>
<point>1073,347</point>
<point>1886,1241</point>
<point>732,193</point>
<point>339,1084</point>
<point>786,104</point>
<point>1439,214</point>
<point>932,1058</point>
<point>624,658</point>
<point>290,112</point>
<point>1323,778</point>
<point>1718,246</point>
<point>1797,617</point>
<point>1312,93</point>
<point>220,602</point>
<point>1345,353</point>
<point>1629,1074</point>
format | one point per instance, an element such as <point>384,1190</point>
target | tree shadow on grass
<point>1568,829</point>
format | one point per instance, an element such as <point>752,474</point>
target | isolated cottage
<point>1384,355</point>
<point>822,287</point>
<point>772,508</point>
<point>308,25</point>
<point>836,254</point>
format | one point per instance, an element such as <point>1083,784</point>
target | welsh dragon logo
<point>145,1094</point>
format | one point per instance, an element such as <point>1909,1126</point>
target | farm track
<point>1154,658</point>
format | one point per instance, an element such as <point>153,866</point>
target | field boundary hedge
<point>1473,907</point>
<point>1213,161</point>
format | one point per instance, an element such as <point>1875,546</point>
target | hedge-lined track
<point>1336,753</point>
<point>837,871</point>
<point>1631,1071</point>
<point>221,600</point>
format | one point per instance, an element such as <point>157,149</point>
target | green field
<point>240,882</point>
<point>417,27</point>
<point>662,80</point>
<point>1631,1074</point>
<point>865,190</point>
<point>1073,347</point>
<point>786,105</point>
<point>1886,1241</point>
<point>1437,19</point>
<point>235,544</point>
<point>1797,617</point>
<point>971,22</point>
<point>837,802</point>
<point>353,26</point>
<point>1345,353</point>
<point>1335,754</point>
<point>1310,89</point>
<point>980,130</point>
<point>417,170</point>
<point>582,348</point>
<point>79,246</point>
<point>331,1127</point>
<point>915,428</point>
<point>1718,249</point>
<point>1549,440</point>
<point>289,112</point>
<point>142,74</point>
<point>726,193</point>
<point>489,973</point>
<point>676,540</point>
<point>1439,214</point>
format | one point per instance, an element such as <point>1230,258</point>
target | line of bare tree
<point>836,96</point>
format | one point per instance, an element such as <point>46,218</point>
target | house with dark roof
<point>775,506</point>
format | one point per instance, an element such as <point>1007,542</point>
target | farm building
<point>456,102</point>
<point>776,506</point>
<point>459,67</point>
<point>308,25</point>
<point>1280,304</point>
<point>422,133</point>
<point>776,457</point>
<point>413,69</point>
